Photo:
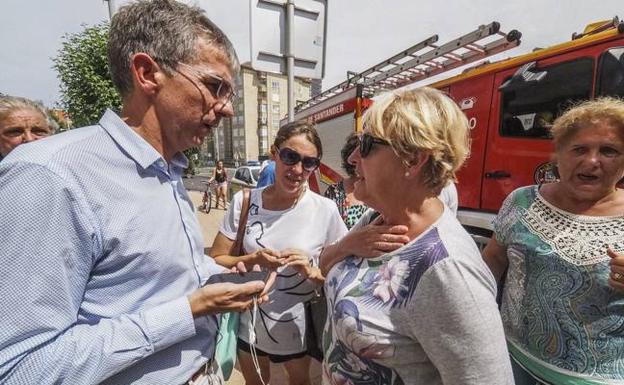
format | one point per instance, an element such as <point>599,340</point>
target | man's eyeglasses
<point>220,88</point>
<point>291,157</point>
<point>367,141</point>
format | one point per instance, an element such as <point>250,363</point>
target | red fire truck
<point>510,105</point>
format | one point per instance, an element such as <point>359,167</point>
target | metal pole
<point>111,8</point>
<point>215,138</point>
<point>290,57</point>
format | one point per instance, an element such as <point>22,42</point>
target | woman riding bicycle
<point>220,176</point>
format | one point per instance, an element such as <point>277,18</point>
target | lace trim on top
<point>578,239</point>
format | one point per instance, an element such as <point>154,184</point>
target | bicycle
<point>207,198</point>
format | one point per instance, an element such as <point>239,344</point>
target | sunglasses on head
<point>367,141</point>
<point>291,157</point>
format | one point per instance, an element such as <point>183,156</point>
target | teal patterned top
<point>558,310</point>
<point>350,213</point>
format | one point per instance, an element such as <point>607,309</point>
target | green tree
<point>86,86</point>
<point>82,66</point>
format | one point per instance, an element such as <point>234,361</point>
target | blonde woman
<point>424,313</point>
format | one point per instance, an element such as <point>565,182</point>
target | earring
<point>406,174</point>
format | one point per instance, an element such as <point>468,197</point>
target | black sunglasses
<point>291,157</point>
<point>367,141</point>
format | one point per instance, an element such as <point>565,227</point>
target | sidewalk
<point>210,227</point>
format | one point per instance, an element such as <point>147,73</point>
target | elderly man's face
<point>194,99</point>
<point>21,126</point>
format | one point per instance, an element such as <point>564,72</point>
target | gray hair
<point>167,31</point>
<point>9,104</point>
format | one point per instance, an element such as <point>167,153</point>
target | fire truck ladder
<point>424,60</point>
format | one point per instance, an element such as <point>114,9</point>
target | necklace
<point>303,190</point>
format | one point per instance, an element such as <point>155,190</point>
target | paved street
<point>210,227</point>
<point>198,182</point>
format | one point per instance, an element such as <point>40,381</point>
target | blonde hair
<point>423,120</point>
<point>586,114</point>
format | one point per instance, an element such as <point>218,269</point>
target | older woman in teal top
<point>562,309</point>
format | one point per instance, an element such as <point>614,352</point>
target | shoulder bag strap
<point>237,247</point>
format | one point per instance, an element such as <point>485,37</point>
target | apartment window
<point>275,86</point>
<point>275,109</point>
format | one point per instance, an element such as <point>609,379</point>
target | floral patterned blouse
<point>562,320</point>
<point>423,314</point>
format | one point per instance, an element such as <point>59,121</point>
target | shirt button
<point>161,163</point>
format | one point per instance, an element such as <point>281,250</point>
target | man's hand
<point>262,297</point>
<point>225,297</point>
<point>375,239</point>
<point>616,278</point>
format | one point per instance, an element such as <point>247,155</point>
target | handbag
<point>316,316</point>
<point>226,348</point>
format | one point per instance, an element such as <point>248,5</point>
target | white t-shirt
<point>309,226</point>
<point>448,196</point>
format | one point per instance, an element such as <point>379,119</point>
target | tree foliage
<point>82,66</point>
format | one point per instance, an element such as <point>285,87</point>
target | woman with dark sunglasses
<point>287,227</point>
<point>424,313</point>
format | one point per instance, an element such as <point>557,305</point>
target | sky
<point>360,33</point>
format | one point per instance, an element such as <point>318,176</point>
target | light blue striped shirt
<point>99,249</point>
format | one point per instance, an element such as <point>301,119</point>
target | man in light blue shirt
<point>101,255</point>
<point>267,175</point>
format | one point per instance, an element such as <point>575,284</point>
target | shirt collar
<point>134,145</point>
<point>180,160</point>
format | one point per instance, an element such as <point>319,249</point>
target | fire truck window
<point>611,73</point>
<point>530,107</point>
